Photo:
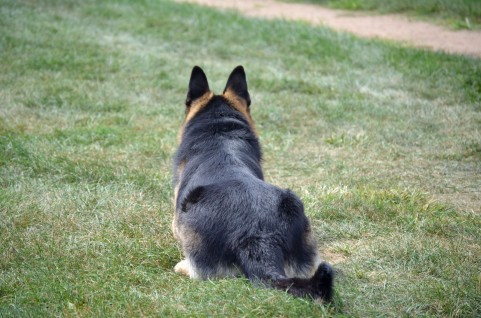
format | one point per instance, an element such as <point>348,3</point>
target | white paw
<point>186,268</point>
<point>182,267</point>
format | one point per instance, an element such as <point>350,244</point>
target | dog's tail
<point>319,286</point>
<point>268,269</point>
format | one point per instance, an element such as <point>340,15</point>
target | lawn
<point>381,142</point>
<point>458,14</point>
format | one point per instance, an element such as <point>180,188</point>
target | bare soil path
<point>391,27</point>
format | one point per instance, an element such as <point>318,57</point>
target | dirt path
<point>391,27</point>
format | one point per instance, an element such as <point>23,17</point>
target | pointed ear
<point>237,83</point>
<point>198,85</point>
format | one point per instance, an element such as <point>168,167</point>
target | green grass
<point>381,142</point>
<point>459,14</point>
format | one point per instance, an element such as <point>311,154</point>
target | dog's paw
<point>183,267</point>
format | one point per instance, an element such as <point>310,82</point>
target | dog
<point>228,220</point>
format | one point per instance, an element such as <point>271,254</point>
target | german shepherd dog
<point>227,218</point>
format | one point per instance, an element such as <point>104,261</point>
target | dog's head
<point>235,95</point>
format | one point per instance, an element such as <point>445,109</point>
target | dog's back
<point>227,218</point>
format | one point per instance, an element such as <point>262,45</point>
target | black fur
<point>198,85</point>
<point>318,286</point>
<point>235,219</point>
<point>237,82</point>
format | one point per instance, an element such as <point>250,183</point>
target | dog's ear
<point>198,85</point>
<point>237,84</point>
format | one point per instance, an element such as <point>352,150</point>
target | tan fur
<point>187,237</point>
<point>292,272</point>
<point>176,193</point>
<point>240,105</point>
<point>174,226</point>
<point>180,169</point>
<point>316,260</point>
<point>196,106</point>
<point>311,241</point>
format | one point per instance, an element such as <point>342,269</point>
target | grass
<point>459,14</point>
<point>381,142</point>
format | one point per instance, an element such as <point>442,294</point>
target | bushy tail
<point>319,286</point>
<point>262,260</point>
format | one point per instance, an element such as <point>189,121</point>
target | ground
<point>391,27</point>
<point>381,141</point>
